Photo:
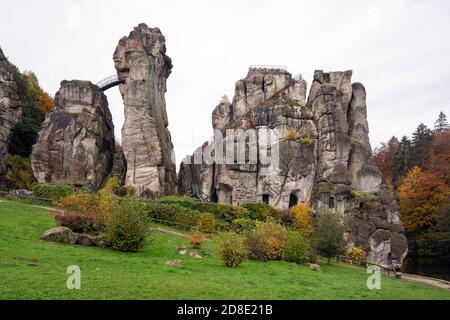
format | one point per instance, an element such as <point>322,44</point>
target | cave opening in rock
<point>293,200</point>
<point>265,198</point>
<point>214,196</point>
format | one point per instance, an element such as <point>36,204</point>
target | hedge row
<point>227,213</point>
<point>52,192</point>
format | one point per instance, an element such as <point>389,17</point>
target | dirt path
<point>430,281</point>
<point>34,206</point>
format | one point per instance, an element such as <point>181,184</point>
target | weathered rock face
<point>324,157</point>
<point>141,62</point>
<point>10,108</point>
<point>76,141</point>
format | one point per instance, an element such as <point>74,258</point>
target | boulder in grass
<point>174,263</point>
<point>86,240</point>
<point>314,267</point>
<point>61,235</point>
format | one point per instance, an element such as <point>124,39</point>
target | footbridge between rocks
<point>109,82</point>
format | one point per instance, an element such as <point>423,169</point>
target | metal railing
<point>255,66</point>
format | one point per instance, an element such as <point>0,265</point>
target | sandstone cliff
<point>76,141</point>
<point>10,108</point>
<point>141,62</point>
<point>324,157</point>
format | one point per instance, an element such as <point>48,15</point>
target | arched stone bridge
<point>109,82</point>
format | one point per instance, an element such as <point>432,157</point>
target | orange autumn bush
<point>84,212</point>
<point>267,241</point>
<point>197,238</point>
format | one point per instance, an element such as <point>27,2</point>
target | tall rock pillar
<point>10,109</point>
<point>142,64</point>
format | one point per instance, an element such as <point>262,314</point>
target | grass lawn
<point>33,269</point>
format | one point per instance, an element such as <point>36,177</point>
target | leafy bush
<point>329,235</point>
<point>77,222</point>
<point>205,222</point>
<point>243,225</point>
<point>357,255</point>
<point>126,191</point>
<point>84,211</point>
<point>19,175</point>
<point>286,217</point>
<point>232,249</point>
<point>224,212</point>
<point>260,211</point>
<point>111,187</point>
<point>220,211</point>
<point>184,217</point>
<point>296,248</point>
<point>52,192</point>
<point>302,219</point>
<point>267,241</point>
<point>197,238</point>
<point>126,225</point>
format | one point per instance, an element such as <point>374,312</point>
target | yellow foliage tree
<point>302,219</point>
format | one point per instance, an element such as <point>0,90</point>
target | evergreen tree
<point>441,123</point>
<point>402,161</point>
<point>421,141</point>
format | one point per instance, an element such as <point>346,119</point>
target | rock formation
<point>10,108</point>
<point>324,157</point>
<point>76,141</point>
<point>142,64</point>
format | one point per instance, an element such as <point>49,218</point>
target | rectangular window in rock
<point>331,203</point>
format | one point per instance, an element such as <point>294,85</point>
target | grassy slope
<point>108,274</point>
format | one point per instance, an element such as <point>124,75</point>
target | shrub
<point>84,211</point>
<point>52,192</point>
<point>224,212</point>
<point>232,249</point>
<point>19,175</point>
<point>357,255</point>
<point>329,235</point>
<point>286,217</point>
<point>220,211</point>
<point>267,241</point>
<point>184,217</point>
<point>302,219</point>
<point>260,211</point>
<point>243,225</point>
<point>126,191</point>
<point>296,248</point>
<point>308,140</point>
<point>205,222</point>
<point>77,222</point>
<point>291,135</point>
<point>112,186</point>
<point>196,240</point>
<point>126,225</point>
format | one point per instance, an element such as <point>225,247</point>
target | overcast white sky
<point>398,49</point>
